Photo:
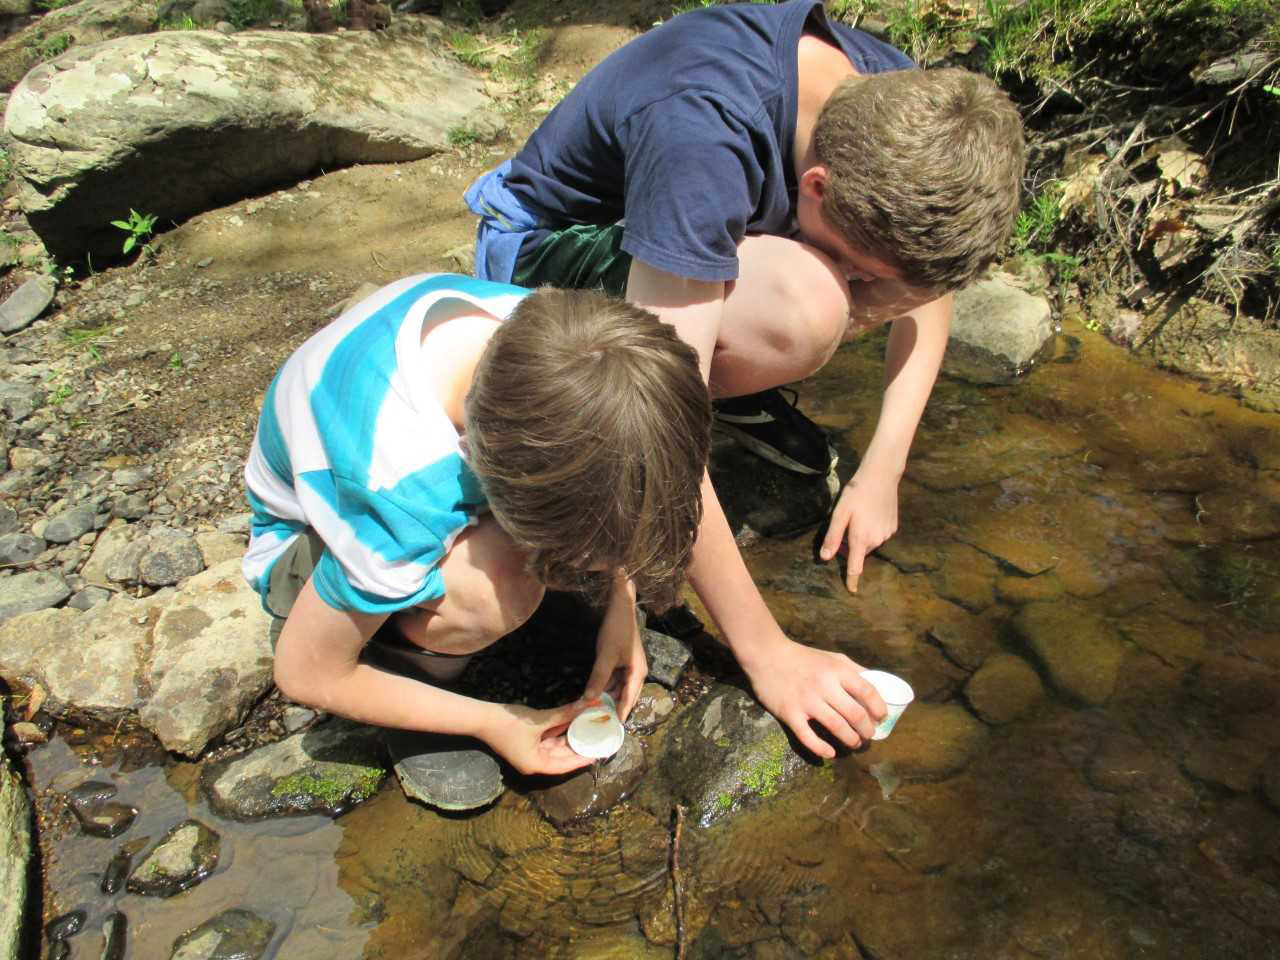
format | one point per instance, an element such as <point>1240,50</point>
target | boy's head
<point>923,168</point>
<point>588,425</point>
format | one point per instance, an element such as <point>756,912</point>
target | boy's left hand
<point>621,666</point>
<point>865,516</point>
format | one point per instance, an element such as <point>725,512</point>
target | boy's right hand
<point>533,741</point>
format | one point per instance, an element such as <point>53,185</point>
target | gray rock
<point>218,547</point>
<point>19,400</point>
<point>115,556</point>
<point>172,123</point>
<point>88,21</point>
<point>89,597</point>
<point>115,936</point>
<point>236,523</point>
<point>171,556</point>
<point>1080,652</point>
<point>71,524</point>
<point>210,660</point>
<point>653,706</point>
<point>234,934</point>
<point>130,478</point>
<point>100,816</point>
<point>1229,71</point>
<point>19,549</point>
<point>26,303</point>
<point>449,772</point>
<point>667,657</point>
<point>594,789</point>
<point>1004,688</point>
<point>8,519</point>
<point>15,856</point>
<point>31,591</point>
<point>327,769</point>
<point>132,506</point>
<point>725,752</point>
<point>186,855</point>
<point>998,332</point>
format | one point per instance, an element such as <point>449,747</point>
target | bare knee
<point>819,309</point>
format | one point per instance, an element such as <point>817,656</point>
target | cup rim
<point>893,690</point>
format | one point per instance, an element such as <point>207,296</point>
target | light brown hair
<point>924,169</point>
<point>588,426</point>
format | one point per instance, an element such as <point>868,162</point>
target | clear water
<point>1136,829</point>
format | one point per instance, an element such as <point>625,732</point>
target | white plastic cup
<point>596,732</point>
<point>896,694</point>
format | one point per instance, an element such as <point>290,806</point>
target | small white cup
<point>896,694</point>
<point>596,732</point>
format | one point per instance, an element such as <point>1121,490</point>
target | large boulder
<point>171,124</point>
<point>15,853</point>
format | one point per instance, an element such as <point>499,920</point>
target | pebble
<point>117,869</point>
<point>184,857</point>
<point>26,303</point>
<point>19,549</point>
<point>99,815</point>
<point>115,931</point>
<point>89,597</point>
<point>67,925</point>
<point>71,524</point>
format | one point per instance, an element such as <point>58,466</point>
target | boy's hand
<point>800,684</point>
<point>533,741</point>
<point>866,515</point>
<point>621,666</point>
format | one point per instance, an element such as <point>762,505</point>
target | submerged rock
<point>99,815</point>
<point>594,789</point>
<point>234,934</point>
<point>726,751</point>
<point>653,706</point>
<point>1080,652</point>
<point>931,742</point>
<point>186,855</point>
<point>327,769</point>
<point>1003,689</point>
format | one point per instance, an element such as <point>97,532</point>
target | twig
<point>373,255</point>
<point>677,883</point>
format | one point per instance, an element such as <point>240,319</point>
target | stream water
<point>1136,819</point>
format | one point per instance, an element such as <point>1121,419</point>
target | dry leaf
<point>35,700</point>
<point>1079,186</point>
<point>1184,169</point>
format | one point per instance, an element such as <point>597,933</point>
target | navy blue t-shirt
<point>687,134</point>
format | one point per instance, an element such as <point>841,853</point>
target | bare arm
<point>317,663</point>
<point>794,682</point>
<point>866,515</point>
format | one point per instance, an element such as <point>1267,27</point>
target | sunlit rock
<point>594,789</point>
<point>186,855</point>
<point>667,657</point>
<point>1003,689</point>
<point>327,769</point>
<point>235,933</point>
<point>653,706</point>
<point>15,853</point>
<point>173,123</point>
<point>998,333</point>
<point>931,742</point>
<point>967,577</point>
<point>76,24</point>
<point>1079,651</point>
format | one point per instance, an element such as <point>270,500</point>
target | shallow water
<point>1135,829</point>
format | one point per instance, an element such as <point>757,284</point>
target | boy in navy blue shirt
<point>771,184</point>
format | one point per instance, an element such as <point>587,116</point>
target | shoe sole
<point>772,454</point>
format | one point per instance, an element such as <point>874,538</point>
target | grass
<point>1035,226</point>
<point>88,337</point>
<point>184,22</point>
<point>52,45</point>
<point>461,137</point>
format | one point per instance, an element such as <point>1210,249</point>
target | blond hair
<point>588,426</point>
<point>924,169</point>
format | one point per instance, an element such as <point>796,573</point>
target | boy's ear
<point>813,182</point>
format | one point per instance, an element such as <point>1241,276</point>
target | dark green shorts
<point>581,257</point>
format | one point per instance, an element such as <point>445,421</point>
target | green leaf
<point>121,224</point>
<point>128,244</point>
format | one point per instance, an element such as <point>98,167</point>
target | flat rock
<point>19,400</point>
<point>170,557</point>
<point>88,21</point>
<point>31,591</point>
<point>931,742</point>
<point>26,303</point>
<point>1003,689</point>
<point>15,855</point>
<point>186,855</point>
<point>594,789</point>
<point>211,660</point>
<point>667,657</point>
<point>1233,765</point>
<point>19,549</point>
<point>449,772</point>
<point>998,332</point>
<point>234,934</point>
<point>70,524</point>
<point>1079,651</point>
<point>173,123</point>
<point>966,577</point>
<point>327,769</point>
<point>726,752</point>
<point>1121,763</point>
<point>108,564</point>
<point>910,556</point>
<point>217,547</point>
<point>965,645</point>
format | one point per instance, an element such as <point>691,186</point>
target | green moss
<point>723,803</point>
<point>764,775</point>
<point>352,784</point>
<point>724,743</point>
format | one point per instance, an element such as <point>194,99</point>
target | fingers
<point>840,728</point>
<point>865,693</point>
<point>835,532</point>
<point>853,570</point>
<point>799,724</point>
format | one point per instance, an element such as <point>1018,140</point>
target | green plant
<point>248,13</point>
<point>468,48</point>
<point>138,227</point>
<point>61,394</point>
<point>51,45</point>
<point>184,22</point>
<point>175,361</point>
<point>88,338</point>
<point>1039,219</point>
<point>462,138</point>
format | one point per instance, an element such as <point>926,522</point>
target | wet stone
<point>966,646</point>
<point>31,591</point>
<point>59,950</point>
<point>234,934</point>
<point>724,752</point>
<point>667,657</point>
<point>966,578</point>
<point>449,772</point>
<point>594,789</point>
<point>1123,763</point>
<point>1079,651</point>
<point>1232,765</point>
<point>186,855</point>
<point>70,524</point>
<point>653,706</point>
<point>1003,689</point>
<point>105,818</point>
<point>115,931</point>
<point>931,742</point>
<point>67,925</point>
<point>113,877</point>
<point>327,769</point>
<point>910,556</point>
<point>1018,590</point>
<point>26,303</point>
<point>907,838</point>
<point>1271,781</point>
<point>19,549</point>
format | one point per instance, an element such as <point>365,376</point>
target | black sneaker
<point>771,427</point>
